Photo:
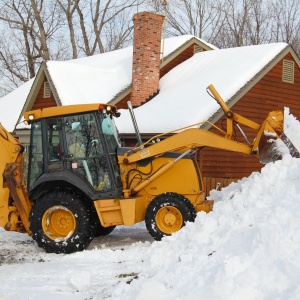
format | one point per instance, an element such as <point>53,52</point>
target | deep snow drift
<point>247,248</point>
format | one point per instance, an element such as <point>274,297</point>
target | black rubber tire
<point>179,202</point>
<point>103,231</point>
<point>83,232</point>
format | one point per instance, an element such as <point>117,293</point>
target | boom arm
<point>194,138</point>
<point>12,185</point>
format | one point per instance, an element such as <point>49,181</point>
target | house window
<point>47,90</point>
<point>288,71</point>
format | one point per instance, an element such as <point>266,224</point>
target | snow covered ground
<point>247,248</point>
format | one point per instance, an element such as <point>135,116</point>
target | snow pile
<point>291,128</point>
<point>247,248</point>
<point>287,144</point>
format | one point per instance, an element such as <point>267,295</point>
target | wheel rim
<point>58,223</point>
<point>169,219</point>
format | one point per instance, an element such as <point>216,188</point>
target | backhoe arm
<point>232,117</point>
<point>192,138</point>
<point>13,180</point>
<point>14,202</point>
<point>270,130</point>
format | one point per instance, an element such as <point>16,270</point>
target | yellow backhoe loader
<point>82,183</point>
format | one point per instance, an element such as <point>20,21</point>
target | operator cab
<point>79,149</point>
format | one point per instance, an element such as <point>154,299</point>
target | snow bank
<point>247,248</point>
<point>291,128</point>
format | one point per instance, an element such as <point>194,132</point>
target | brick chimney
<point>146,56</point>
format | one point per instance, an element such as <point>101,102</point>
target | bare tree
<point>13,69</point>
<point>112,23</point>
<point>36,30</point>
<point>19,23</point>
<point>286,22</point>
<point>98,26</point>
<point>85,36</point>
<point>235,33</point>
<point>201,18</point>
<point>37,7</point>
<point>259,22</point>
<point>69,8</point>
<point>232,23</point>
<point>29,27</point>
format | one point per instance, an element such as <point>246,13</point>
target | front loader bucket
<point>274,143</point>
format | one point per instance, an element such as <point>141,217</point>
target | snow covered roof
<point>94,79</point>
<point>183,99</point>
<point>101,77</point>
<point>12,104</point>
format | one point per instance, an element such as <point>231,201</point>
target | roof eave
<point>120,96</point>
<point>251,83</point>
<point>183,47</point>
<point>35,88</point>
<point>52,86</point>
<point>39,78</point>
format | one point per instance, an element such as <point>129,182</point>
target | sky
<point>246,248</point>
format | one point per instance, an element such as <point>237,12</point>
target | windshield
<point>92,150</point>
<point>110,130</point>
<point>112,139</point>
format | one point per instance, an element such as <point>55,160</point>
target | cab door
<point>85,153</point>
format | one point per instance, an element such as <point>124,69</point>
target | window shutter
<point>47,90</point>
<point>288,71</point>
<point>197,49</point>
